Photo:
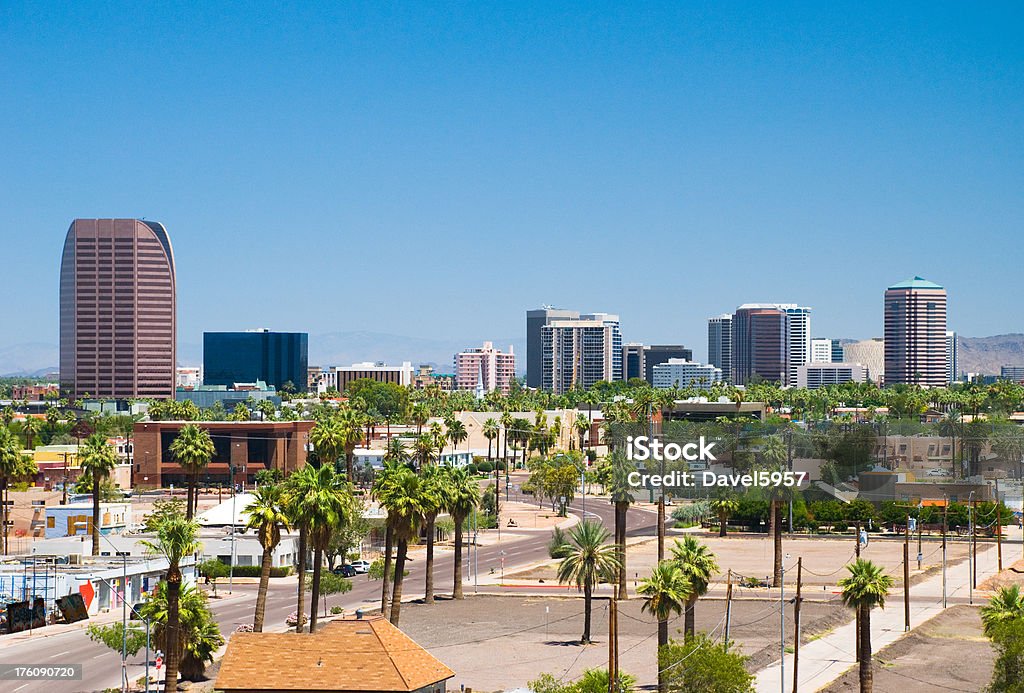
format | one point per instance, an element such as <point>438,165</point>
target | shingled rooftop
<point>348,655</point>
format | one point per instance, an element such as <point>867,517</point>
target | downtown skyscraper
<point>117,310</point>
<point>579,352</point>
<point>916,350</point>
<point>769,341</point>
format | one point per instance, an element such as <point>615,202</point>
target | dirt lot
<point>498,643</point>
<point>949,653</point>
<point>752,555</point>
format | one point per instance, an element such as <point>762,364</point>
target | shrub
<point>500,465</point>
<point>255,570</point>
<point>558,546</point>
<point>337,610</point>
<point>485,467</point>
<point>472,469</point>
<point>702,664</point>
<point>244,628</point>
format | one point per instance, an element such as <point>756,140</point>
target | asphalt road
<point>101,665</point>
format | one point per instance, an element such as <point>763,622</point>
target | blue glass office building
<point>245,357</point>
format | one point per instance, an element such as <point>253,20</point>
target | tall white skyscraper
<point>579,352</point>
<point>798,339</point>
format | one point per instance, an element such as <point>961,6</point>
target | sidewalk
<point>825,659</point>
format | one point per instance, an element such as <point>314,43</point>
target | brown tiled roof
<point>347,655</point>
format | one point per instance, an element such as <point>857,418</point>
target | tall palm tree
<point>351,423</point>
<point>665,593</point>
<point>383,488</point>
<point>490,432</point>
<point>581,425</point>
<point>266,516</point>
<point>423,448</point>
<point>176,538</point>
<point>437,434</point>
<point>773,456</point>
<point>1007,604</point>
<point>404,502</point>
<point>434,499</point>
<point>419,415</point>
<point>30,429</point>
<point>698,565</point>
<point>457,433</point>
<point>193,449</point>
<point>98,458</point>
<point>463,498</point>
<point>295,488</point>
<point>865,588</point>
<point>724,506</point>
<point>588,560</point>
<point>396,450</point>
<point>13,465</point>
<point>621,495</point>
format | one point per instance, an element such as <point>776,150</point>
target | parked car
<point>936,472</point>
<point>361,566</point>
<point>344,570</point>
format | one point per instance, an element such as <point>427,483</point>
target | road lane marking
<point>20,687</point>
<point>60,654</point>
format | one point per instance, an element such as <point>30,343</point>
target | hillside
<point>988,354</point>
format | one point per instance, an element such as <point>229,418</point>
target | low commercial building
<point>76,519</point>
<point>704,411</point>
<point>339,377</point>
<point>350,655</point>
<point>680,373</point>
<point>248,446</point>
<point>230,396</point>
<point>814,375</point>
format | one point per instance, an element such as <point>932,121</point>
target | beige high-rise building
<point>915,333</point>
<point>485,367</point>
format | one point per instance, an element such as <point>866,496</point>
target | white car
<point>936,472</point>
<point>361,566</point>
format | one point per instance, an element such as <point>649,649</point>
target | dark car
<point>344,570</point>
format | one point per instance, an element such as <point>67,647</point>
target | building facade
<point>720,344</point>
<point>276,358</point>
<point>485,368</point>
<point>811,376</point>
<point>339,377</point>
<point>248,446</point>
<point>821,350</point>
<point>870,353</point>
<point>632,361</point>
<point>915,333</point>
<point>579,353</point>
<point>681,373</point>
<point>639,360</point>
<point>758,344</point>
<point>535,322</point>
<point>1014,373</point>
<point>117,310</point>
<point>952,357</point>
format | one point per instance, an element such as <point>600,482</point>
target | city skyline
<point>525,142</point>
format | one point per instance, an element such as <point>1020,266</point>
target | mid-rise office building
<point>485,368</point>
<point>276,358</point>
<point>720,343</point>
<point>1014,373</point>
<point>821,350</point>
<point>632,361</point>
<point>837,350</point>
<point>339,377</point>
<point>682,373</point>
<point>915,334</point>
<point>639,360</point>
<point>952,357</point>
<point>117,310</point>
<point>535,322</point>
<point>814,375</point>
<point>870,353</point>
<point>581,352</point>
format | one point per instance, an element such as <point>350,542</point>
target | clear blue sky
<point>438,169</point>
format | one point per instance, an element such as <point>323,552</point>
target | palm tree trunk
<point>620,545</point>
<point>457,584</point>
<point>95,514</point>
<point>866,673</point>
<point>261,596</point>
<point>662,642</point>
<point>171,632</point>
<point>301,608</point>
<point>3,497</point>
<point>348,467</point>
<point>776,522</point>
<point>690,617</point>
<point>188,496</point>
<point>489,442</point>
<point>389,540</point>
<point>318,560</point>
<point>396,594</point>
<point>587,596</point>
<point>722,519</point>
<point>428,587</point>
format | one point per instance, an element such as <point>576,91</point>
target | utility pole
<point>920,557</point>
<point>613,645</point>
<point>796,621</point>
<point>782,627</point>
<point>728,606</point>
<point>945,515</point>
<point>661,496</point>
<point>906,576</point>
<point>970,533</point>
<point>856,537</point>
<point>64,498</point>
<point>857,617</point>
<point>974,544</point>
<point>999,534</point>
<point>789,456</point>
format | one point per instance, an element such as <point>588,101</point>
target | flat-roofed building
<point>680,373</point>
<point>720,344</point>
<point>814,375</point>
<point>485,367</point>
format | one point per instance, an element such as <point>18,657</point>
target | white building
<point>821,350</point>
<point>485,368</point>
<point>339,377</point>
<point>188,376</point>
<point>798,338</point>
<point>814,375</point>
<point>682,373</point>
<point>577,353</point>
<point>871,354</point>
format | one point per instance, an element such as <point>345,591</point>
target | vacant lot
<point>497,643</point>
<point>949,653</point>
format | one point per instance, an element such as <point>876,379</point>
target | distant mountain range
<point>35,359</point>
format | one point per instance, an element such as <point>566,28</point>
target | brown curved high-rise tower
<point>117,310</point>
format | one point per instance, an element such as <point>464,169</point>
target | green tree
<point>328,439</point>
<point>1008,672</point>
<point>724,506</point>
<point>197,634</point>
<point>665,592</point>
<point>213,569</point>
<point>698,565</point>
<point>266,515</point>
<point>1006,605</point>
<point>98,458</point>
<point>703,664</point>
<point>176,538</point>
<point>13,465</point>
<point>621,496</point>
<point>589,562</point>
<point>865,588</point>
<point>403,499</point>
<point>193,449</point>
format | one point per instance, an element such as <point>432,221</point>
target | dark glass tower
<point>245,357</point>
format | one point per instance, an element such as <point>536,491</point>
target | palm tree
<point>30,429</point>
<point>383,486</point>
<point>176,537</point>
<point>419,415</point>
<point>193,449</point>
<point>13,465</point>
<point>582,427</point>
<point>328,439</point>
<point>295,489</point>
<point>437,434</point>
<point>865,588</point>
<point>588,560</point>
<point>665,593</point>
<point>463,498</point>
<point>773,455</point>
<point>98,459</point>
<point>490,431</point>
<point>403,499</point>
<point>351,423</point>
<point>456,433</point>
<point>423,448</point>
<point>266,516</point>
<point>396,450</point>
<point>698,565</point>
<point>621,495</point>
<point>1007,604</point>
<point>725,506</point>
<point>434,499</point>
